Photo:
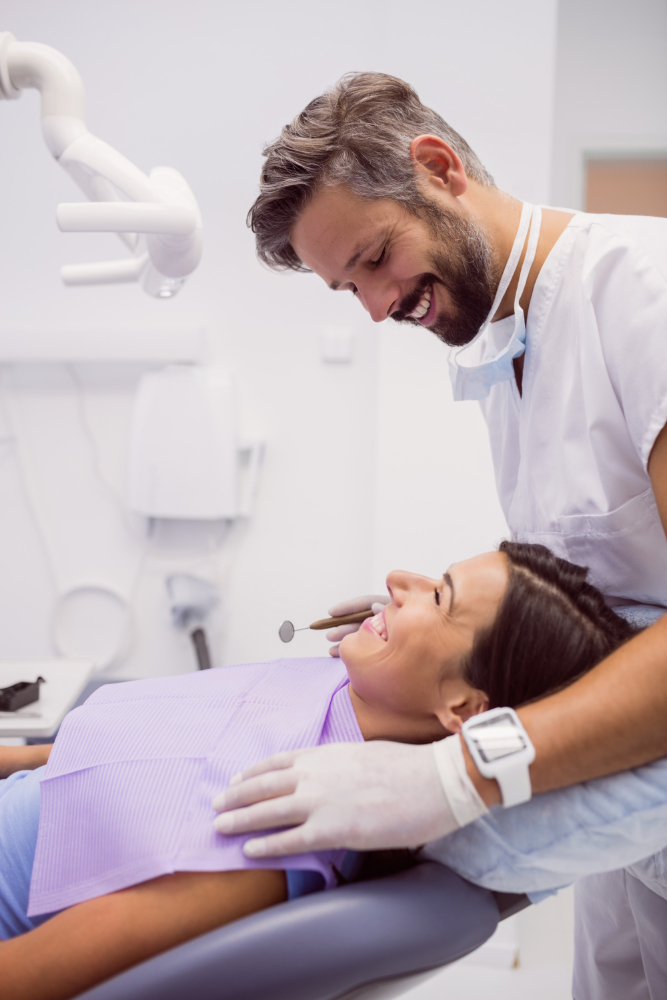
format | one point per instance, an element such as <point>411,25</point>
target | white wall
<point>611,86</point>
<point>436,500</point>
<point>367,465</point>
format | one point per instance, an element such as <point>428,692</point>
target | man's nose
<point>379,302</point>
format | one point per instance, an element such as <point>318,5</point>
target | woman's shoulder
<point>237,678</point>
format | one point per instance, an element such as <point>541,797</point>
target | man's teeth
<point>379,626</point>
<point>423,306</point>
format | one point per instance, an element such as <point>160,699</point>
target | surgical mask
<point>474,381</point>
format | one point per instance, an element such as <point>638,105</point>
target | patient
<point>500,629</point>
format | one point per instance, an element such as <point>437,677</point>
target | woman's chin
<point>345,646</point>
<point>353,650</point>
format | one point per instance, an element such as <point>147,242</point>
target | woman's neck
<point>379,723</point>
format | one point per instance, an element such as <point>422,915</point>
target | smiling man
<point>400,265</point>
<point>558,321</point>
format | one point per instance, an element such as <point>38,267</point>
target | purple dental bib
<point>127,792</point>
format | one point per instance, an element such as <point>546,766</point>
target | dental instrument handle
<point>323,623</point>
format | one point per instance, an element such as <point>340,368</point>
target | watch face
<point>496,738</point>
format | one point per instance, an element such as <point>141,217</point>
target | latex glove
<point>360,796</point>
<point>375,602</point>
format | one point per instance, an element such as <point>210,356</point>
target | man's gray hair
<point>358,134</point>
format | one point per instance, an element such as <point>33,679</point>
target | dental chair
<point>368,939</point>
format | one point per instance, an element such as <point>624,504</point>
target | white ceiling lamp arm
<point>162,207</point>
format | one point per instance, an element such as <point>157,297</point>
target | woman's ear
<point>454,711</point>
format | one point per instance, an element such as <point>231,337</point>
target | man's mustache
<point>410,301</point>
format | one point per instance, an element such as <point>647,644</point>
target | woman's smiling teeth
<point>423,305</point>
<point>379,625</point>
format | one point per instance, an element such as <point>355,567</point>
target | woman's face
<point>404,665</point>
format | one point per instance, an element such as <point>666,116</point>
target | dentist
<point>557,323</point>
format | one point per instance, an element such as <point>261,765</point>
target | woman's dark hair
<point>551,628</point>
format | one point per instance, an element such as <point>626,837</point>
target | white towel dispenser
<point>184,447</point>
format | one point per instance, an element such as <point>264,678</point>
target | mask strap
<point>531,250</point>
<point>513,259</point>
<point>508,273</point>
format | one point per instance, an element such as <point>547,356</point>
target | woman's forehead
<point>480,580</point>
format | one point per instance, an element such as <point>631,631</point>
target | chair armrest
<point>319,946</point>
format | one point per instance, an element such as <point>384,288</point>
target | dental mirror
<point>287,630</point>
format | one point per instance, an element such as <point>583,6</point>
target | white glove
<point>375,602</point>
<point>361,796</point>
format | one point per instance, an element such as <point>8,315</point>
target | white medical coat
<point>571,454</point>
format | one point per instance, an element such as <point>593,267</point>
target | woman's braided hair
<point>551,628</point>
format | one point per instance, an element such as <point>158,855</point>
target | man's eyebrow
<point>450,583</point>
<point>360,249</point>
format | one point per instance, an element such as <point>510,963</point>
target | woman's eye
<point>437,596</point>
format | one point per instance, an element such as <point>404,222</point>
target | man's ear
<point>438,161</point>
<point>455,711</point>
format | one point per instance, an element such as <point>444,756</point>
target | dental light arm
<point>161,206</point>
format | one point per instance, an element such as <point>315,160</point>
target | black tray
<point>19,695</point>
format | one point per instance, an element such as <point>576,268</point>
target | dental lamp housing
<point>158,210</point>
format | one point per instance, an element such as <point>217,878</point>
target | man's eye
<point>437,596</point>
<point>376,263</point>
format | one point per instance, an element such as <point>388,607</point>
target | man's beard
<point>461,260</point>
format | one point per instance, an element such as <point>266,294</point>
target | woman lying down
<point>109,854</point>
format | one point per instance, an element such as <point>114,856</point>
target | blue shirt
<point>19,823</point>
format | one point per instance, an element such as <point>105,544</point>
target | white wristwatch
<point>501,749</point>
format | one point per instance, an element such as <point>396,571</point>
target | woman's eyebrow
<point>450,583</point>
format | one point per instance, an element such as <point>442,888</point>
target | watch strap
<point>514,781</point>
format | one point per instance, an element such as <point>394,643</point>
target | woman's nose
<point>401,585</point>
